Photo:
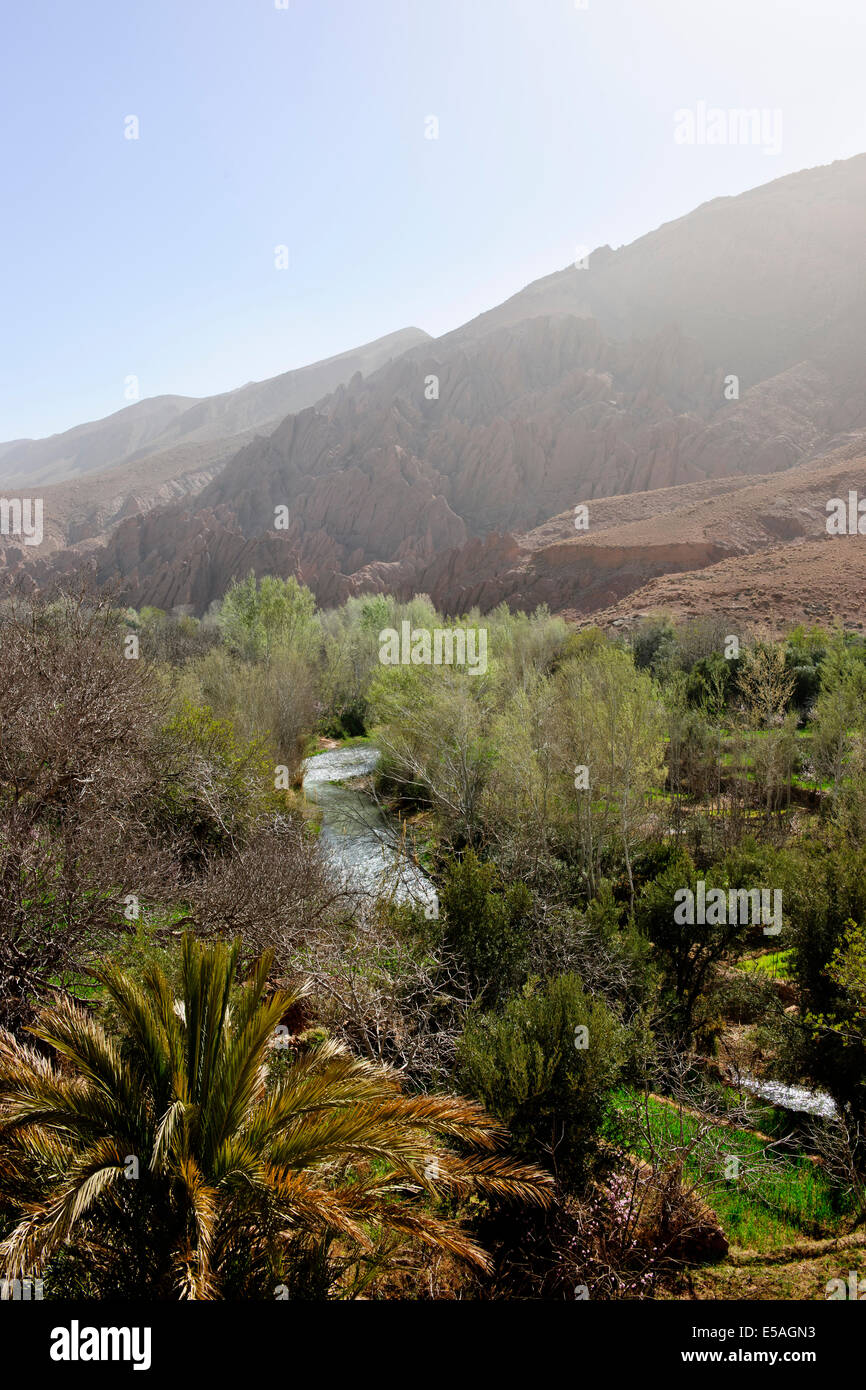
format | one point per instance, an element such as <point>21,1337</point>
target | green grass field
<point>773,1201</point>
<point>776,964</point>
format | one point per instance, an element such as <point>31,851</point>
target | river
<point>796,1098</point>
<point>361,844</point>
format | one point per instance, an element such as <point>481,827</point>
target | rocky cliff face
<point>431,473</point>
<point>682,549</point>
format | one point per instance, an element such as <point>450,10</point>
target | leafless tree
<point>78,770</point>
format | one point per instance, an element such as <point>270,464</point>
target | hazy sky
<point>305,127</point>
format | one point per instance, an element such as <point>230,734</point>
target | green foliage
<point>549,1081</point>
<point>612,725</point>
<point>744,772</point>
<point>847,970</point>
<point>654,644</point>
<point>170,1160</point>
<point>846,1020</point>
<point>222,784</point>
<point>711,682</point>
<point>171,640</point>
<point>261,618</point>
<point>686,952</point>
<point>271,703</point>
<point>487,925</point>
<point>776,1198</point>
<point>433,726</point>
<point>805,654</point>
<point>765,683</point>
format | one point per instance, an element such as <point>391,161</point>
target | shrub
<point>78,777</point>
<point>220,783</point>
<point>530,1068</point>
<point>487,926</point>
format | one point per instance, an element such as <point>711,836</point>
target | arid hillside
<point>95,472</point>
<point>726,346</point>
<point>689,550</point>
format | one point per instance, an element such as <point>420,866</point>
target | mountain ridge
<point>730,342</point>
<point>258,405</point>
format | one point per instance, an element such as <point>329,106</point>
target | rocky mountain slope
<point>762,280</point>
<point>698,548</point>
<point>455,468</point>
<point>159,424</point>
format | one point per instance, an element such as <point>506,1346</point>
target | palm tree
<point>181,1156</point>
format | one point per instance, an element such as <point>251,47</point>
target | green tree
<point>432,724</point>
<point>839,713</point>
<point>521,796</point>
<point>685,951</point>
<point>613,725</point>
<point>847,970</point>
<point>261,618</point>
<point>546,1066</point>
<point>765,683</point>
<point>487,925</point>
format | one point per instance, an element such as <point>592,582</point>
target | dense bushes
<point>545,1066</point>
<point>218,786</point>
<point>562,799</point>
<point>80,772</point>
<point>487,926</point>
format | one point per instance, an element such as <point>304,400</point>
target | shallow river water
<point>361,844</point>
<point>798,1098</point>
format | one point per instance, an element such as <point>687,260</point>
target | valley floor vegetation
<point>224,1073</point>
